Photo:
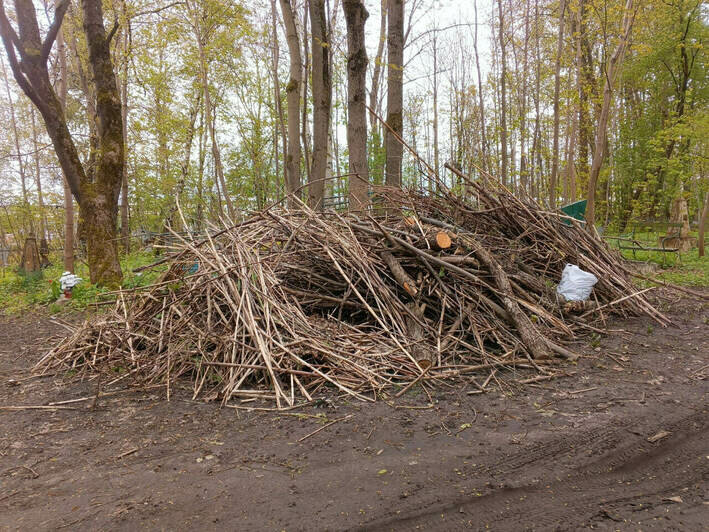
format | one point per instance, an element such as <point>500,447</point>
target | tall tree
<point>293,102</point>
<point>198,20</point>
<point>553,180</point>
<point>601,130</point>
<point>355,17</point>
<point>43,231</point>
<point>503,93</point>
<point>395,91</point>
<point>97,198</point>
<point>481,101</point>
<point>125,223</point>
<point>68,200</point>
<point>322,97</point>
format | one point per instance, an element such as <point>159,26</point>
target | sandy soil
<point>621,443</point>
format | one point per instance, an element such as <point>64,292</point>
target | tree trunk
<point>535,176</point>
<point>524,174</point>
<point>43,237</point>
<point>125,222</point>
<point>98,198</point>
<point>186,156</point>
<point>322,97</point>
<point>376,74</point>
<point>503,96</point>
<point>304,130</point>
<point>277,97</point>
<point>703,224</point>
<point>553,180</point>
<point>355,17</point>
<point>436,154</point>
<point>99,207</point>
<point>200,172</point>
<point>68,200</point>
<point>395,92</point>
<point>481,102</point>
<point>601,130</point>
<point>293,101</point>
<point>585,82</point>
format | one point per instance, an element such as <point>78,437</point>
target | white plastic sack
<point>576,284</point>
<point>68,280</point>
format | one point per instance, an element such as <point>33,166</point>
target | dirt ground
<point>620,443</point>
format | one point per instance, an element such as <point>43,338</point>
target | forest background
<point>220,101</point>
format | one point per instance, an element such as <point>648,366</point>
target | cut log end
<point>443,240</point>
<point>410,289</point>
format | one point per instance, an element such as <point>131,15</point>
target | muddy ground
<point>621,443</point>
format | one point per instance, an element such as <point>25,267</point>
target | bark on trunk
<point>68,200</point>
<point>186,156</point>
<point>125,222</point>
<point>395,91</point>
<point>377,73</point>
<point>703,224</point>
<point>43,240</point>
<point>100,204</point>
<point>503,96</point>
<point>481,103</point>
<point>601,130</point>
<point>293,102</point>
<point>355,17</point>
<point>97,198</point>
<point>277,98</point>
<point>322,97</point>
<point>553,180</point>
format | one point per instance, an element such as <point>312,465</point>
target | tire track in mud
<point>625,476</point>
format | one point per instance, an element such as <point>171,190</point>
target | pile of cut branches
<point>285,303</point>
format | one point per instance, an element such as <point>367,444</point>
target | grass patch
<point>686,269</point>
<point>23,292</point>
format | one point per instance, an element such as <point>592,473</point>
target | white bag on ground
<point>576,284</point>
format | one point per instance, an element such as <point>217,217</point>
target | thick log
<point>403,278</point>
<point>535,343</point>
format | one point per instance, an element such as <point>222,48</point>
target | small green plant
<point>595,340</point>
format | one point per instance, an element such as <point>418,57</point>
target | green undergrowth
<point>20,292</point>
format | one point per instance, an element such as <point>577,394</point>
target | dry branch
<point>287,303</point>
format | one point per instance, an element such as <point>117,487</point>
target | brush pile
<point>287,302</point>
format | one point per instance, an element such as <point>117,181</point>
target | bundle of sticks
<point>425,288</point>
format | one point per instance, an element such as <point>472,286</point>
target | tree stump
<point>679,237</point>
<point>30,256</point>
